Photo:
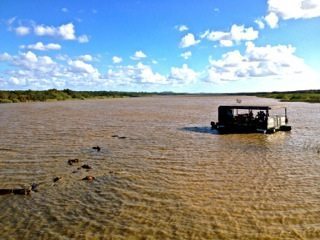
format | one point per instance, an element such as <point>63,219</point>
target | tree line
<point>60,95</point>
<point>312,96</point>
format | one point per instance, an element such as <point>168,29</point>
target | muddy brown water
<point>161,172</point>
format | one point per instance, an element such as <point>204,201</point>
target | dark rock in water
<point>86,166</point>
<point>89,178</point>
<point>119,137</point>
<point>22,191</point>
<point>97,148</point>
<point>72,161</point>
<point>18,191</point>
<point>56,179</point>
<point>34,187</point>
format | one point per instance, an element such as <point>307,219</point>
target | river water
<point>161,172</point>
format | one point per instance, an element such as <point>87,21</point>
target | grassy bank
<point>61,95</point>
<point>312,96</point>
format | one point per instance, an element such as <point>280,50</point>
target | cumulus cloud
<point>29,70</point>
<point>138,55</point>
<point>116,59</point>
<point>188,40</point>
<point>64,31</point>
<point>257,62</point>
<point>226,43</point>
<point>144,74</point>
<point>236,34</point>
<point>295,9</point>
<point>42,72</point>
<point>186,55</point>
<point>22,30</point>
<point>41,30</point>
<point>86,58</point>
<point>82,67</point>
<point>260,23</point>
<point>182,28</point>
<point>4,57</point>
<point>272,20</point>
<point>137,74</point>
<point>183,75</point>
<point>42,47</point>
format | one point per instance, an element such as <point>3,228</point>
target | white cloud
<point>86,58</point>
<point>22,30</point>
<point>41,72</point>
<point>138,55</point>
<point>295,9</point>
<point>204,34</point>
<point>237,34</point>
<point>138,74</point>
<point>186,55</point>
<point>188,40</point>
<point>4,57</point>
<point>260,23</point>
<point>41,30</point>
<point>65,31</point>
<point>30,56</point>
<point>82,67</point>
<point>272,20</point>
<point>64,10</point>
<point>226,43</point>
<point>42,47</point>
<point>116,59</point>
<point>276,62</point>
<point>83,39</point>
<point>183,75</point>
<point>182,28</point>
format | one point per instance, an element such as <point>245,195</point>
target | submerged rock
<point>86,166</point>
<point>56,179</point>
<point>72,161</point>
<point>97,148</point>
<point>34,187</point>
<point>89,178</point>
<point>18,191</point>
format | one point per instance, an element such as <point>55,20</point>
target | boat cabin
<point>240,118</point>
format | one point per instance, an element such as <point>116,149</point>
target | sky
<point>194,46</point>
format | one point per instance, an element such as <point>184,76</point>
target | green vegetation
<point>60,95</point>
<point>311,96</point>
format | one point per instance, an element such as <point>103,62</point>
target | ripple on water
<point>166,175</point>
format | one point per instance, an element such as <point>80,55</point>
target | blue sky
<point>168,45</point>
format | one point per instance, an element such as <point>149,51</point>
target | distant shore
<point>311,96</point>
<point>61,95</point>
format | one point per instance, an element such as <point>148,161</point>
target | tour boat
<point>246,119</point>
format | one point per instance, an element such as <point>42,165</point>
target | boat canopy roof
<point>245,107</point>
